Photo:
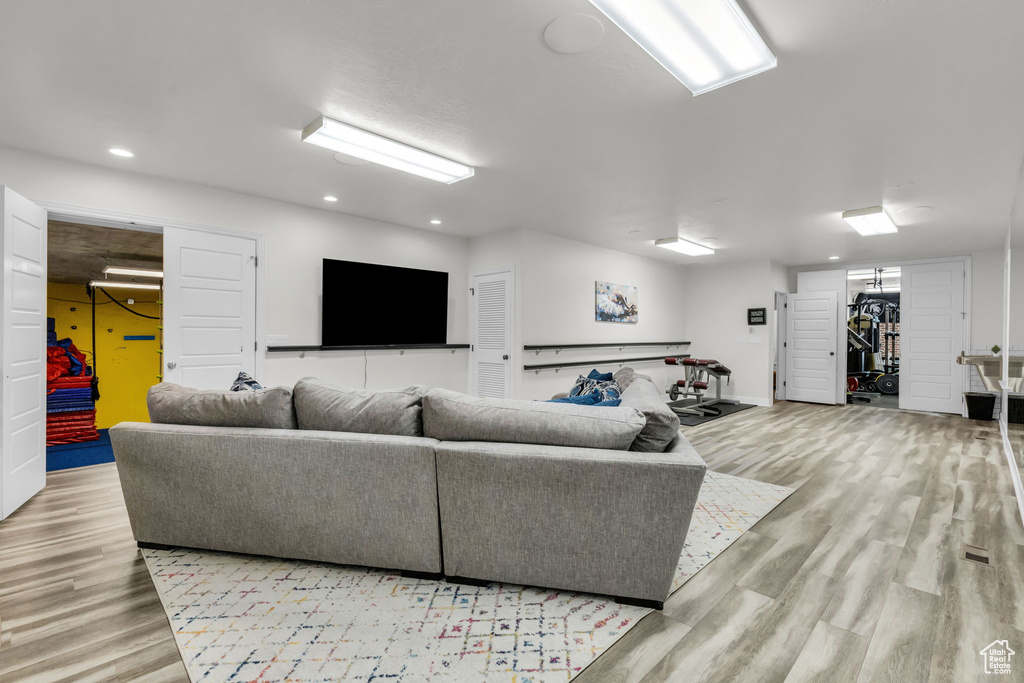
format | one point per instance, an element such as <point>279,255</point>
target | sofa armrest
<point>582,519</point>
<point>362,499</point>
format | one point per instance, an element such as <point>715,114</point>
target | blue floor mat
<point>66,456</point>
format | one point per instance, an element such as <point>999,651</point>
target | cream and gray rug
<point>242,618</point>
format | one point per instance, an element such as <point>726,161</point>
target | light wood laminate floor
<point>858,576</point>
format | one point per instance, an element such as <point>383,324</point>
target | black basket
<point>979,405</point>
<point>1015,415</point>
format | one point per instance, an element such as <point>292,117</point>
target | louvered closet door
<point>491,358</point>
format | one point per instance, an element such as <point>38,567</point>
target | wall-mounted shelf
<point>597,363</point>
<point>537,348</point>
<point>377,347</point>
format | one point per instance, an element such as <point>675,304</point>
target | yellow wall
<point>126,369</point>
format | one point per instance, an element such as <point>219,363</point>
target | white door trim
<point>779,352</point>
<point>514,350</point>
<point>149,224</point>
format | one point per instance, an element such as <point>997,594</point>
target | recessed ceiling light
<point>870,221</point>
<point>833,258</point>
<point>330,198</point>
<point>634,232</point>
<point>122,285</point>
<point>118,152</point>
<point>341,137</point>
<point>435,222</point>
<point>683,247</point>
<point>133,272</point>
<point>574,33</point>
<point>704,44</point>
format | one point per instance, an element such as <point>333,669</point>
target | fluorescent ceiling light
<point>704,43</point>
<point>884,290</point>
<point>341,137</point>
<point>870,221</point>
<point>683,247</point>
<point>133,272</point>
<point>330,198</point>
<point>435,222</point>
<point>118,152</point>
<point>108,284</point>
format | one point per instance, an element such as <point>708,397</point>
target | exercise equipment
<point>694,385</point>
<point>871,350</point>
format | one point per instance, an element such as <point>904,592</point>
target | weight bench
<point>695,385</point>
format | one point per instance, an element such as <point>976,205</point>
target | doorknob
<point>505,357</point>
<point>831,353</point>
<point>171,365</point>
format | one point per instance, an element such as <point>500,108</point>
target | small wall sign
<point>756,316</point>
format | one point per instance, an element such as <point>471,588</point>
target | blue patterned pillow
<point>584,400</point>
<point>599,376</point>
<point>245,383</point>
<point>604,389</point>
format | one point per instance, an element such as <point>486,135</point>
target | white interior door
<point>931,337</point>
<point>810,347</point>
<point>209,308</point>
<point>491,325</point>
<point>23,397</point>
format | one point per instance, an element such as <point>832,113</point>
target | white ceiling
<point>907,102</point>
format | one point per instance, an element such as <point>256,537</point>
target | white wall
<point>296,239</point>
<point>717,299</point>
<point>555,300</point>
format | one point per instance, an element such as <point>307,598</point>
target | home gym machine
<point>695,385</point>
<point>872,352</point>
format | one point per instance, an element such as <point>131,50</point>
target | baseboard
<point>763,402</point>
<point>1011,462</point>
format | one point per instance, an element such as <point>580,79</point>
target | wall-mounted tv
<point>366,304</point>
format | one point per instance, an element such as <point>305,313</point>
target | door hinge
<point>472,347</point>
<point>256,261</point>
<point>255,346</point>
<point>784,344</point>
<point>785,305</point>
<point>472,291</point>
<point>783,382</point>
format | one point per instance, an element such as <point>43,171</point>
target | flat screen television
<point>366,304</point>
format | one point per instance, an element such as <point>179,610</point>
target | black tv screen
<point>365,304</point>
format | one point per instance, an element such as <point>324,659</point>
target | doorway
<point>216,295</point>
<point>104,335</point>
<point>873,328</point>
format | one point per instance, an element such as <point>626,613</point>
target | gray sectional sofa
<point>430,482</point>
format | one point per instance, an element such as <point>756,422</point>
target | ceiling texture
<point>77,254</point>
<point>916,104</point>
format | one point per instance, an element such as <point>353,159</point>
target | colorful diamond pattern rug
<point>242,618</point>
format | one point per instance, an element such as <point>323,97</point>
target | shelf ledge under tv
<point>375,347</point>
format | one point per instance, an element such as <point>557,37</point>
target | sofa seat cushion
<point>327,407</point>
<point>265,408</point>
<point>662,424</point>
<point>451,416</point>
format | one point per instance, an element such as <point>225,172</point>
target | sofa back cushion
<point>327,407</point>
<point>266,408</point>
<point>451,416</point>
<point>662,424</point>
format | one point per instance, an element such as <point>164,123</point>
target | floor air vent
<point>976,554</point>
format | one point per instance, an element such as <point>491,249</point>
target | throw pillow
<point>600,376</point>
<point>245,382</point>
<point>584,400</point>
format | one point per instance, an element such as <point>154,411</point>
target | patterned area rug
<point>242,618</point>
